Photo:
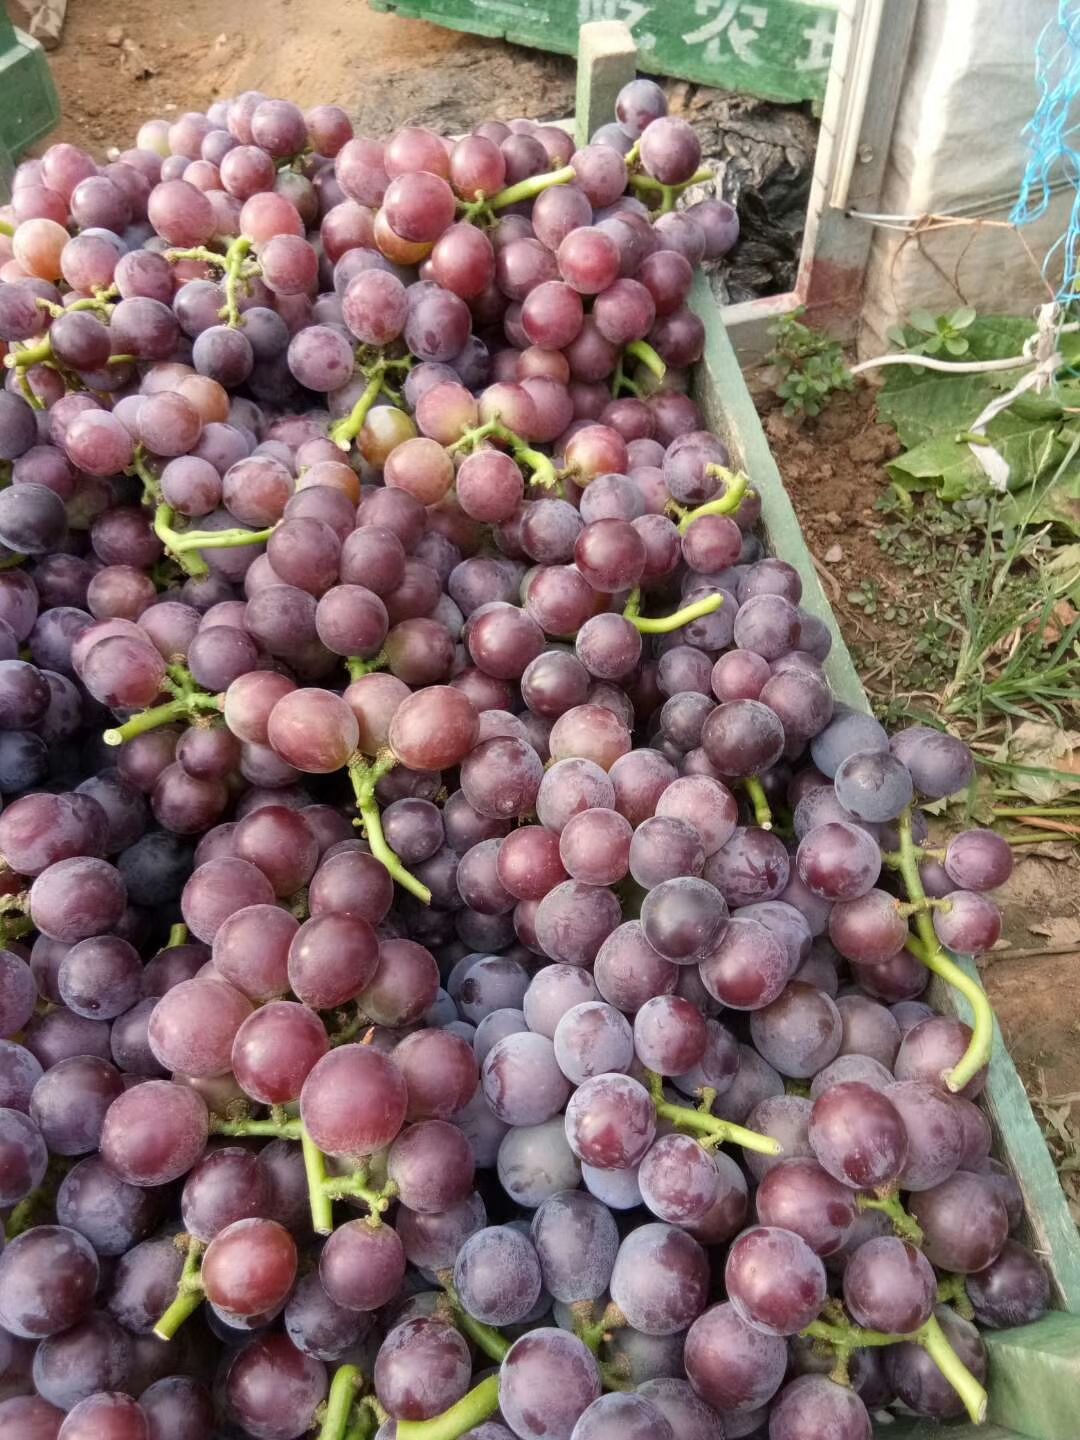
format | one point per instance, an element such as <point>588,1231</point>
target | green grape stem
<point>621,381</point>
<point>29,355</point>
<point>181,543</point>
<point>185,707</point>
<point>346,430</point>
<point>322,1210</point>
<point>541,470</point>
<point>274,1128</point>
<point>666,623</point>
<point>364,778</point>
<point>473,1409</point>
<point>952,1290</point>
<point>323,1189</point>
<point>643,351</point>
<point>359,1186</point>
<point>844,1338</point>
<point>236,274</point>
<point>736,484</point>
<point>927,948</point>
<point>707,1129</point>
<point>344,1389</point>
<point>668,194</point>
<point>755,793</point>
<point>484,206</point>
<point>592,1332</point>
<point>358,668</point>
<point>493,1343</point>
<point>905,1225</point>
<point>189,1291</point>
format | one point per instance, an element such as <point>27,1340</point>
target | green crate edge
<point>1035,1370</point>
<point>775,78</point>
<point>29,105</point>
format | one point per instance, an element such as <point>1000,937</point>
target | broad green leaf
<point>1030,406</point>
<point>962,318</point>
<point>922,404</point>
<point>995,337</point>
<point>947,465</point>
<point>956,345</point>
<point>939,463</point>
<point>924,321</point>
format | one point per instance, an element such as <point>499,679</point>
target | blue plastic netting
<point>1053,139</point>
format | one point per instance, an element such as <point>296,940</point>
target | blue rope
<point>1053,140</point>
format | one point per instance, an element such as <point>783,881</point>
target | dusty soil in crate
<point>119,64</point>
<point>833,469</point>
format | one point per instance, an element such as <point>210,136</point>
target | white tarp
<point>958,147</point>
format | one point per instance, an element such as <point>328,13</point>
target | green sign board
<point>777,49</point>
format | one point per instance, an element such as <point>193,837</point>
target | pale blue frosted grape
<point>576,1240</point>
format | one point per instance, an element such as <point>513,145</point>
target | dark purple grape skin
<point>660,1279</point>
<point>1012,1290</point>
<point>857,1135</point>
<point>686,1413</point>
<point>48,1276</point>
<point>547,1381</point>
<point>964,1221</point>
<point>798,1195</point>
<point>775,1281</point>
<point>422,1369</point>
<point>813,1407</point>
<point>731,1366</point>
<point>890,1285</point>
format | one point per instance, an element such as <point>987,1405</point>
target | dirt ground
<point>121,63</point>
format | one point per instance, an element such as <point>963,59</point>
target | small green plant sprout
<point>808,367</point>
<point>935,335</point>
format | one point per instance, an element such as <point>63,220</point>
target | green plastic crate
<point>29,107</point>
<point>777,49</point>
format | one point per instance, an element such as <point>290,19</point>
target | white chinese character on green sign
<point>630,12</point>
<point>736,27</point>
<point>820,38</point>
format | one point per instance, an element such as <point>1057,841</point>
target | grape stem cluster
<point>235,265</point>
<point>659,197</point>
<point>482,209</point>
<point>364,776</point>
<point>541,470</point>
<point>189,703</point>
<point>375,370</point>
<point>705,1128</point>
<point>368,1183</point>
<point>181,544</point>
<point>493,1343</point>
<point>736,488</point>
<point>348,1413</point>
<point>888,1203</point>
<point>927,948</point>
<point>844,1338</point>
<point>192,704</point>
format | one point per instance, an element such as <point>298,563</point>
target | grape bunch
<point>463,973</point>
